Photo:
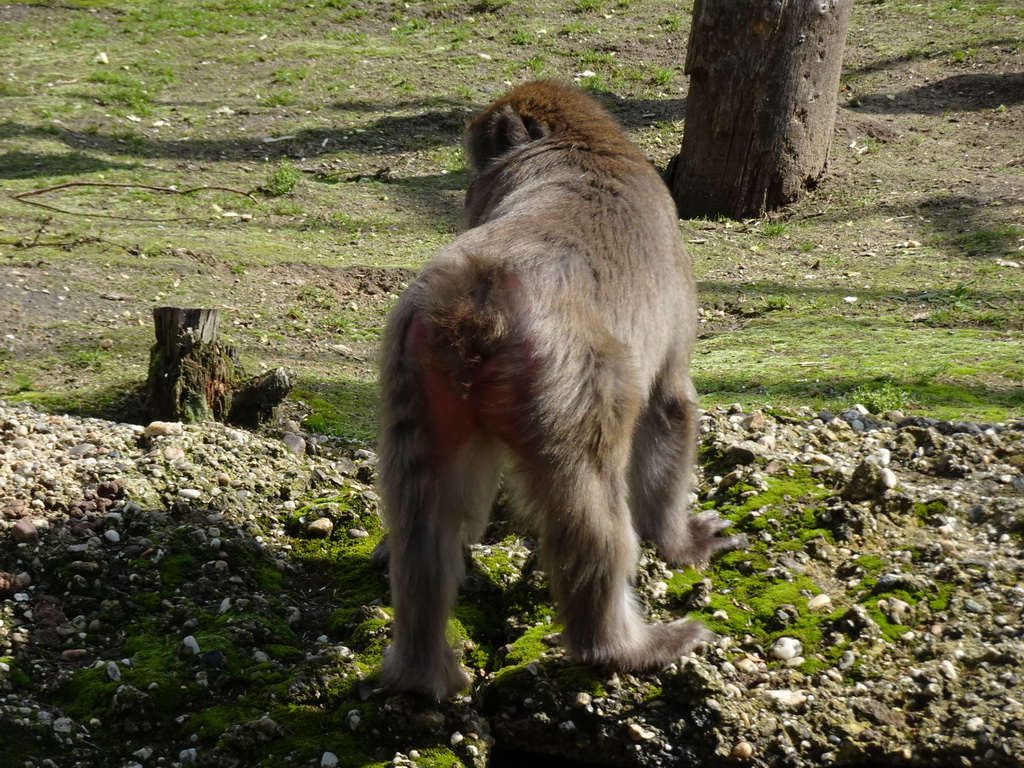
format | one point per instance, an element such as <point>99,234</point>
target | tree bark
<point>764,77</point>
<point>254,401</point>
<point>190,373</point>
<point>193,377</point>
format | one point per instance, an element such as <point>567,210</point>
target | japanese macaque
<point>552,338</point>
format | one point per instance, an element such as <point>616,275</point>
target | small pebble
<point>328,760</point>
<point>746,665</point>
<point>742,750</point>
<point>786,648</point>
<point>162,429</point>
<point>353,718</point>
<point>214,658</point>
<point>973,606</point>
<point>819,601</point>
<point>638,733</point>
<point>295,443</point>
<point>320,528</point>
<point>25,532</point>
<point>785,699</point>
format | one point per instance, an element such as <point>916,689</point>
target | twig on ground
<point>21,197</point>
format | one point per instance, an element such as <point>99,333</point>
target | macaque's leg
<point>426,545</point>
<point>664,453</point>
<point>576,487</point>
<point>439,474</point>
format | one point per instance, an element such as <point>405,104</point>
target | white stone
<point>948,670</point>
<point>819,601</point>
<point>785,699</point>
<point>973,725</point>
<point>786,648</point>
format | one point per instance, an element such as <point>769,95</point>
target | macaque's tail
<point>469,317</point>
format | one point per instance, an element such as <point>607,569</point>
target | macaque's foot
<point>437,676</point>
<point>703,541</point>
<point>667,643</point>
<point>655,646</point>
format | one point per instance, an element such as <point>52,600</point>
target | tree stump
<point>254,401</point>
<point>760,111</point>
<point>193,377</point>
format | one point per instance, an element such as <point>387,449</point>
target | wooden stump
<point>190,373</point>
<point>193,377</point>
<point>255,400</point>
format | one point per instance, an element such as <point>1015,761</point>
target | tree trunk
<point>761,108</point>
<point>190,373</point>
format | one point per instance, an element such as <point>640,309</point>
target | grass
<point>359,163</point>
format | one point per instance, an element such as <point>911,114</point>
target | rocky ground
<point>174,595</point>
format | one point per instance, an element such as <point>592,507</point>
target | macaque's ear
<point>507,130</point>
<point>512,129</point>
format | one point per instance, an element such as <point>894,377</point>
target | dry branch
<point>21,197</point>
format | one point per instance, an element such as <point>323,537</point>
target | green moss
<point>346,564</point>
<point>282,652</point>
<point>146,600</point>
<point>529,645</point>
<point>439,757</point>
<point>749,602</point>
<point>681,583</point>
<point>926,511</point>
<point>16,676</point>
<point>275,627</point>
<point>211,722</point>
<point>345,408</point>
<point>478,626</point>
<point>497,564</point>
<point>268,578</point>
<point>581,677</point>
<point>940,601</point>
<point>872,566</point>
<point>369,640</point>
<point>891,632</point>
<point>339,618</point>
<point>176,569</point>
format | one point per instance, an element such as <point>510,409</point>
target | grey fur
<point>553,337</point>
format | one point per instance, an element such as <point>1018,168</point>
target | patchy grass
<point>348,118</point>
